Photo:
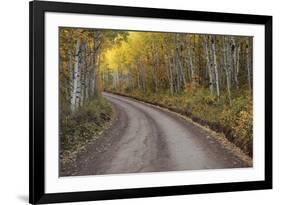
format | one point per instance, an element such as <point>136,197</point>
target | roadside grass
<point>235,121</point>
<point>84,126</point>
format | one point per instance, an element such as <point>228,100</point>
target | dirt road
<point>144,138</point>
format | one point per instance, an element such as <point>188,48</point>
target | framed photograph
<point>140,102</point>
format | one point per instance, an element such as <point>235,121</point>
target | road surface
<point>144,138</point>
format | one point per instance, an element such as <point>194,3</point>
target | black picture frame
<point>37,11</point>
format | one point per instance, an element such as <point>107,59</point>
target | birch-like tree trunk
<point>142,76</point>
<point>155,64</point>
<point>248,59</point>
<point>138,73</point>
<point>76,78</point>
<point>70,77</point>
<point>214,65</point>
<point>182,80</point>
<point>227,67</point>
<point>170,69</point>
<point>129,77</point>
<point>209,67</point>
<point>83,73</point>
<point>97,35</point>
<point>191,65</point>
<point>237,64</point>
<point>235,61</point>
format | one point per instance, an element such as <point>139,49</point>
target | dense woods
<point>206,77</point>
<point>84,113</point>
<point>80,56</point>
<point>175,63</point>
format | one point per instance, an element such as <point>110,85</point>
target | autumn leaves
<point>183,67</point>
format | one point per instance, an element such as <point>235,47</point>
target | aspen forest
<point>207,78</point>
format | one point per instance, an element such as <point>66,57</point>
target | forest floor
<point>147,138</point>
<point>82,128</point>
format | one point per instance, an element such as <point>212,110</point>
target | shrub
<point>85,125</point>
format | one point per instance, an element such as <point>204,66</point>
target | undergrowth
<point>82,127</point>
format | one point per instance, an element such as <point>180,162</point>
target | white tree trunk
<point>211,80</point>
<point>170,71</point>
<point>76,79</point>
<point>227,68</point>
<point>248,56</point>
<point>235,60</point>
<point>214,64</point>
<point>190,54</point>
<point>71,77</point>
<point>155,66</point>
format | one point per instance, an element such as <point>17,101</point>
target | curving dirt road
<point>144,138</point>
